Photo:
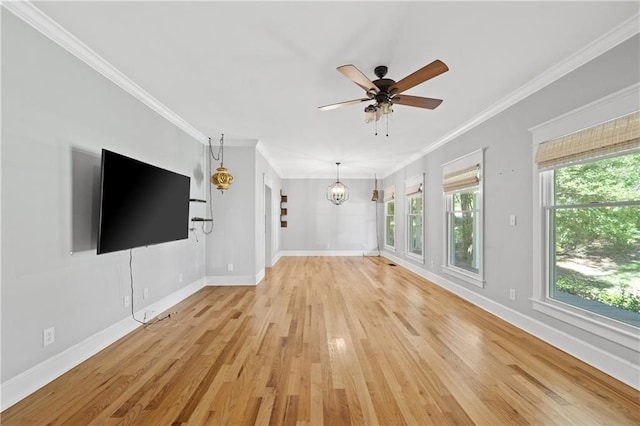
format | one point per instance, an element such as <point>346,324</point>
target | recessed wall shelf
<point>283,210</point>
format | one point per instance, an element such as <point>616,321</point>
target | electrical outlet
<point>230,267</point>
<point>180,278</point>
<point>127,301</point>
<point>48,336</point>
<point>432,264</point>
<point>512,220</point>
<point>512,293</point>
<point>145,293</point>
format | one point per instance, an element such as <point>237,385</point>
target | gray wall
<point>266,176</point>
<point>315,224</point>
<point>239,225</point>
<point>57,115</point>
<point>508,184</point>
<point>233,236</point>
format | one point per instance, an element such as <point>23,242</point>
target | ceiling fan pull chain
<point>388,124</point>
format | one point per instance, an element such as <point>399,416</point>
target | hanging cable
<point>131,281</point>
<point>377,232</point>
<point>212,157</point>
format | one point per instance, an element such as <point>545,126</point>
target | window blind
<point>461,179</point>
<point>413,189</point>
<point>619,135</point>
<point>389,193</point>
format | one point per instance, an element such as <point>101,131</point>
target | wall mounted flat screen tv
<point>140,204</point>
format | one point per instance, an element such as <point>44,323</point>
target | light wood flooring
<point>330,340</point>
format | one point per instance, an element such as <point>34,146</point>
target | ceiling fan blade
<point>355,75</point>
<point>416,101</point>
<point>341,104</point>
<point>425,73</point>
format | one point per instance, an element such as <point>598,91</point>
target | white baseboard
<point>276,259</point>
<point>29,381</point>
<point>260,276</point>
<point>608,363</point>
<point>237,280</point>
<point>328,253</point>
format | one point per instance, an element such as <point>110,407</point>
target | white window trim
<point>387,246</point>
<point>475,157</point>
<point>417,180</point>
<point>608,108</point>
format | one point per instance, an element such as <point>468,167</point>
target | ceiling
<point>259,70</point>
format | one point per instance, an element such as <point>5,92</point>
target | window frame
<point>618,104</point>
<point>475,279</point>
<point>414,188</point>
<point>386,229</point>
<point>409,253</point>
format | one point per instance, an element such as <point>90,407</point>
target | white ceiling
<point>259,70</point>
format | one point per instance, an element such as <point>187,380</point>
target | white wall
<point>317,225</point>
<point>57,115</point>
<point>508,190</point>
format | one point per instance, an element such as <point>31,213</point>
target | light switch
<point>512,220</point>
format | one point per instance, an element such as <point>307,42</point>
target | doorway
<point>268,227</point>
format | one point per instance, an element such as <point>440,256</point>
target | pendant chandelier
<point>222,179</point>
<point>338,192</point>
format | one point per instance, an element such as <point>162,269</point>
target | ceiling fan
<point>386,92</point>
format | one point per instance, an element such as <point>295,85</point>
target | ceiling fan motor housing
<point>380,71</point>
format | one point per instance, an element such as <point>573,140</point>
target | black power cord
<point>131,279</point>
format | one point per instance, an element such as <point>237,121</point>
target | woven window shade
<point>619,135</point>
<point>389,193</point>
<point>461,179</point>
<point>413,189</point>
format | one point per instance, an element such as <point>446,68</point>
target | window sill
<point>415,257</point>
<point>468,277</point>
<point>620,333</point>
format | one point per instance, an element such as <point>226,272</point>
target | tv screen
<point>140,204</point>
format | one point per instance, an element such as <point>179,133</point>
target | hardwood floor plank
<point>330,340</point>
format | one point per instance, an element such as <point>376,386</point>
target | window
<point>389,217</point>
<point>463,220</point>
<point>390,224</point>
<point>462,190</point>
<point>593,234</point>
<point>588,253</point>
<point>414,221</point>
<point>413,192</point>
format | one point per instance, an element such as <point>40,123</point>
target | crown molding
<point>41,22</point>
<point>262,149</point>
<point>602,44</point>
<point>34,17</point>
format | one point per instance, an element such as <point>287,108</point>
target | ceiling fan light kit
<point>385,92</point>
